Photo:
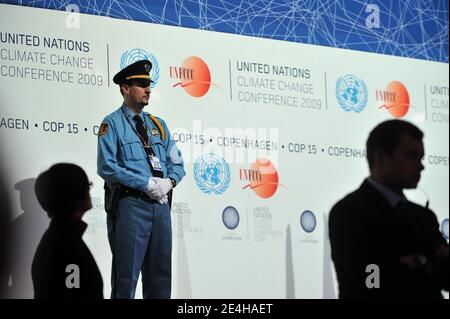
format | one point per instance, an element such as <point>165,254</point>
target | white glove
<point>163,200</point>
<point>150,187</point>
<point>151,184</point>
<point>161,188</point>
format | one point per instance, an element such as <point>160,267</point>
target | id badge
<point>156,164</point>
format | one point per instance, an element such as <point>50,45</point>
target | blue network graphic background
<point>408,28</point>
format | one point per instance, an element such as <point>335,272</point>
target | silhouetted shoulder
<point>350,204</point>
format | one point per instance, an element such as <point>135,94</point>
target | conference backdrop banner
<point>272,134</point>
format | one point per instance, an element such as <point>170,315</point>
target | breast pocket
<point>158,148</point>
<point>133,150</point>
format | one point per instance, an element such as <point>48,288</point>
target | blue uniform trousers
<point>140,238</point>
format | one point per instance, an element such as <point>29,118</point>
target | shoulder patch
<point>103,129</point>
<point>155,132</point>
<point>158,125</point>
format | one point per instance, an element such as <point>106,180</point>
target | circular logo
<point>308,221</point>
<point>351,93</point>
<point>131,56</point>
<point>444,228</point>
<point>399,106</point>
<point>212,174</point>
<point>266,184</point>
<point>200,81</point>
<point>230,217</point>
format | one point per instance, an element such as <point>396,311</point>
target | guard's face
<point>402,170</point>
<point>137,93</point>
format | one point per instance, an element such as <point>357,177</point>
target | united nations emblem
<point>212,174</point>
<point>351,93</point>
<point>131,56</point>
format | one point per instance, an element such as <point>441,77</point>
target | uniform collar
<point>129,113</point>
<point>388,194</point>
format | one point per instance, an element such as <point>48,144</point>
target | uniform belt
<point>127,191</point>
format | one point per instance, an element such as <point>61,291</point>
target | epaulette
<point>159,126</point>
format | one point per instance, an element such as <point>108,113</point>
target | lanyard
<point>151,157</point>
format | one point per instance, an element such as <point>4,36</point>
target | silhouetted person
<point>63,266</point>
<point>26,230</point>
<point>376,225</point>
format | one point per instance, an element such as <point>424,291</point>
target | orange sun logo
<point>194,76</point>
<point>399,104</point>
<point>263,178</point>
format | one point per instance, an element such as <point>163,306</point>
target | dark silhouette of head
<point>395,152</point>
<point>63,190</point>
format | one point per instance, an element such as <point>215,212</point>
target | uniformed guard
<point>140,164</point>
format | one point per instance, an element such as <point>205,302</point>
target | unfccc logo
<point>395,99</point>
<point>193,76</point>
<point>263,178</point>
<point>131,56</point>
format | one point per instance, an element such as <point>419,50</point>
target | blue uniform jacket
<point>121,157</point>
